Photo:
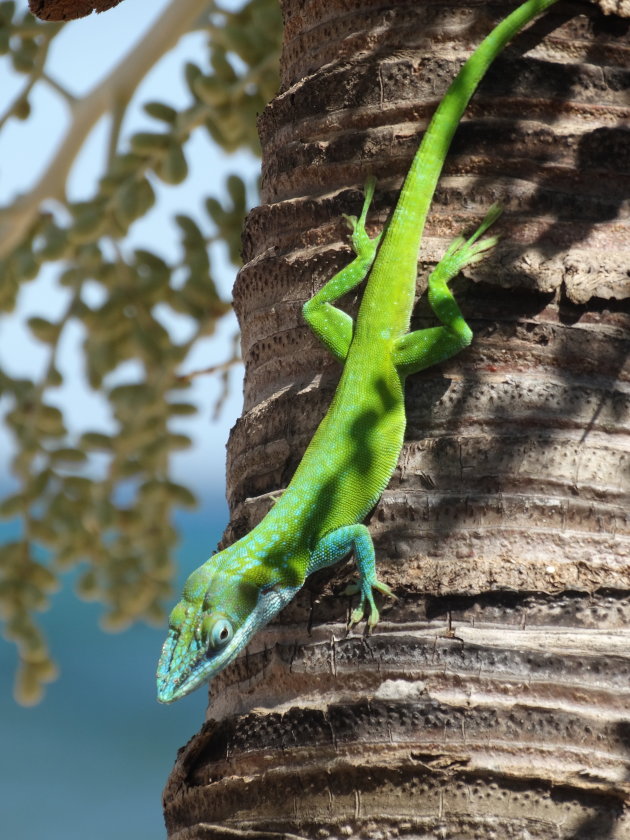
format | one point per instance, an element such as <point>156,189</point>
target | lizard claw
<point>367,599</point>
<point>463,252</point>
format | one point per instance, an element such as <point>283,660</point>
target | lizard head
<point>222,607</point>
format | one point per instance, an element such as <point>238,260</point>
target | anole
<point>318,520</point>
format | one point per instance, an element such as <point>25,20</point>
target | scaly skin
<point>354,451</point>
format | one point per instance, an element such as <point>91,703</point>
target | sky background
<point>91,760</point>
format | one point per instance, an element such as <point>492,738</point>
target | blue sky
<point>92,759</point>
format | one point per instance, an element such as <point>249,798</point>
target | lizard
<point>319,519</point>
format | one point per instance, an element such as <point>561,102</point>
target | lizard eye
<point>216,632</point>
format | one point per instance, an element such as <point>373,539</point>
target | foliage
<point>106,501</point>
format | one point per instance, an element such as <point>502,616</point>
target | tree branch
<point>117,87</point>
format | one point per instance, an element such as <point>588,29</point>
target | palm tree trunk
<point>492,701</point>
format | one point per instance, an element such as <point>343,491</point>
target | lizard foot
<point>462,252</point>
<point>367,599</point>
<point>362,244</point>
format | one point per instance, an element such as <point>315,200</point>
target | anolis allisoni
<point>319,518</point>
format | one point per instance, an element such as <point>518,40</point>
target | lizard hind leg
<point>460,253</point>
<point>420,349</point>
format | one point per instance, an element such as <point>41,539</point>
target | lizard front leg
<point>334,547</point>
<point>331,325</point>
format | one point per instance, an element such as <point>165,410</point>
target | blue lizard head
<point>224,604</point>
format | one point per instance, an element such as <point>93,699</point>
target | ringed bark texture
<point>493,699</point>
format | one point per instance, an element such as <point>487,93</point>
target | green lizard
<point>318,520</point>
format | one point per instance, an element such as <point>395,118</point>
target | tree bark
<point>492,700</point>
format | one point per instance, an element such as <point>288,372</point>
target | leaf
<point>212,91</point>
<point>133,199</point>
<point>42,531</point>
<point>13,506</point>
<point>24,264</point>
<point>49,421</point>
<point>178,441</point>
<point>172,169</point>
<point>37,483</point>
<point>7,10</point>
<point>236,189</point>
<point>191,73</point>
<point>148,142</point>
<point>222,67</point>
<point>182,409</point>
<point>43,329</point>
<point>190,229</point>
<point>43,578</point>
<point>181,495</point>
<point>89,224</point>
<point>160,111</point>
<point>125,165</point>
<point>67,456</point>
<point>133,394</point>
<point>87,586</point>
<point>28,689</point>
<point>96,441</point>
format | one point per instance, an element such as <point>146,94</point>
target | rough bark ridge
<point>493,700</point>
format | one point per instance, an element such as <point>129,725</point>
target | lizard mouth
<point>183,667</point>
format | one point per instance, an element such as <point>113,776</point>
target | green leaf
<point>24,264</point>
<point>133,199</point>
<point>28,690</point>
<point>181,495</point>
<point>42,531</point>
<point>50,421</point>
<point>87,586</point>
<point>96,441</point>
<point>134,394</point>
<point>23,59</point>
<point>44,330</point>
<point>172,168</point>
<point>212,91</point>
<point>236,189</point>
<point>125,165</point>
<point>190,229</point>
<point>67,456</point>
<point>55,245</point>
<point>13,505</point>
<point>222,66</point>
<point>7,10</point>
<point>78,487</point>
<point>37,484</point>
<point>43,578</point>
<point>182,409</point>
<point>160,111</point>
<point>191,74</point>
<point>147,142</point>
<point>90,223</point>
<point>178,441</point>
